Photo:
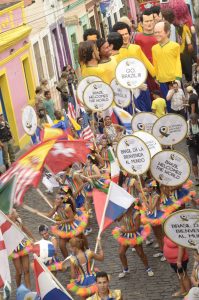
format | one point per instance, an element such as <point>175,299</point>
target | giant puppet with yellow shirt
<point>143,100</point>
<point>185,33</point>
<point>166,58</point>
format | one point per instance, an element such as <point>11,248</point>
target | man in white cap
<point>193,100</point>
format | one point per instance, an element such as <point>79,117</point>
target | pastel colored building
<point>16,77</point>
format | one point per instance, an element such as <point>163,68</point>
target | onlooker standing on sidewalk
<point>39,97</point>
<point>62,87</point>
<point>7,141</point>
<point>49,105</point>
<point>159,104</point>
<point>193,100</point>
<point>177,98</point>
<point>193,143</point>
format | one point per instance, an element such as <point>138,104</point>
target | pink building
<point>16,77</point>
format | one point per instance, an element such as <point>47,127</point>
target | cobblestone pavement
<point>137,285</point>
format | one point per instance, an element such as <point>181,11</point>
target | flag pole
<point>34,211</point>
<point>53,277</point>
<point>44,197</point>
<point>102,222</point>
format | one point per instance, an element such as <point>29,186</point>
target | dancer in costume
<point>83,279</point>
<point>166,58</point>
<point>70,223</point>
<point>131,234</point>
<point>53,263</point>
<point>143,101</point>
<point>113,132</point>
<point>151,213</point>
<point>20,255</point>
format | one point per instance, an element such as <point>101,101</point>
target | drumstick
<point>34,211</point>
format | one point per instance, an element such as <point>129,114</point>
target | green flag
<point>7,193</point>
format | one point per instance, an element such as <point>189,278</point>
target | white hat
<point>193,294</point>
<point>189,89</point>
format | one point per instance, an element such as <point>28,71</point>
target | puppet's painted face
<point>148,23</point>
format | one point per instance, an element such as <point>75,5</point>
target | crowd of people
<point>155,45</point>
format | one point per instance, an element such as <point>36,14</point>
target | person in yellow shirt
<point>143,101</point>
<point>159,104</point>
<point>131,50</point>
<point>115,40</point>
<point>89,58</point>
<point>107,62</point>
<point>166,58</point>
<point>103,290</point>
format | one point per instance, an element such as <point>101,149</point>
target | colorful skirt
<point>185,196</point>
<point>24,248</point>
<point>68,231</point>
<point>131,239</point>
<point>169,205</point>
<point>84,287</point>
<point>54,264</point>
<point>79,201</point>
<point>155,219</point>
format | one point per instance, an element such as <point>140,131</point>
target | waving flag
<point>111,206</point>
<point>12,235</point>
<point>28,169</point>
<point>72,107</point>
<point>7,193</point>
<point>4,270</point>
<point>47,285</point>
<point>115,168</point>
<point>124,117</point>
<point>86,132</point>
<point>64,153</point>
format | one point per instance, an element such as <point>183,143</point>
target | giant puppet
<point>185,34</point>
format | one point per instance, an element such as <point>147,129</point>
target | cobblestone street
<point>137,285</point>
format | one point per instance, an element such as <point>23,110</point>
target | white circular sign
<point>133,155</point>
<point>170,129</point>
<point>182,227</point>
<point>144,121</point>
<point>29,120</point>
<point>151,142</point>
<point>122,96</point>
<point>98,96</point>
<point>170,168</point>
<point>131,73</point>
<point>83,84</point>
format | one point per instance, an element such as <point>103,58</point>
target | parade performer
<point>151,212</point>
<point>115,41</point>
<point>89,58</point>
<point>113,132</point>
<point>83,279</point>
<point>52,263</point>
<point>69,223</point>
<point>131,234</point>
<point>107,62</point>
<point>20,255</point>
<point>146,40</point>
<point>103,289</point>
<point>185,31</point>
<point>143,101</point>
<point>166,58</point>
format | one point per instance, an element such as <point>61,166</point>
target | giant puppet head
<point>182,15</point>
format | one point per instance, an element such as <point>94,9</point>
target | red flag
<point>99,200</point>
<point>64,153</point>
<point>4,270</point>
<point>28,169</point>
